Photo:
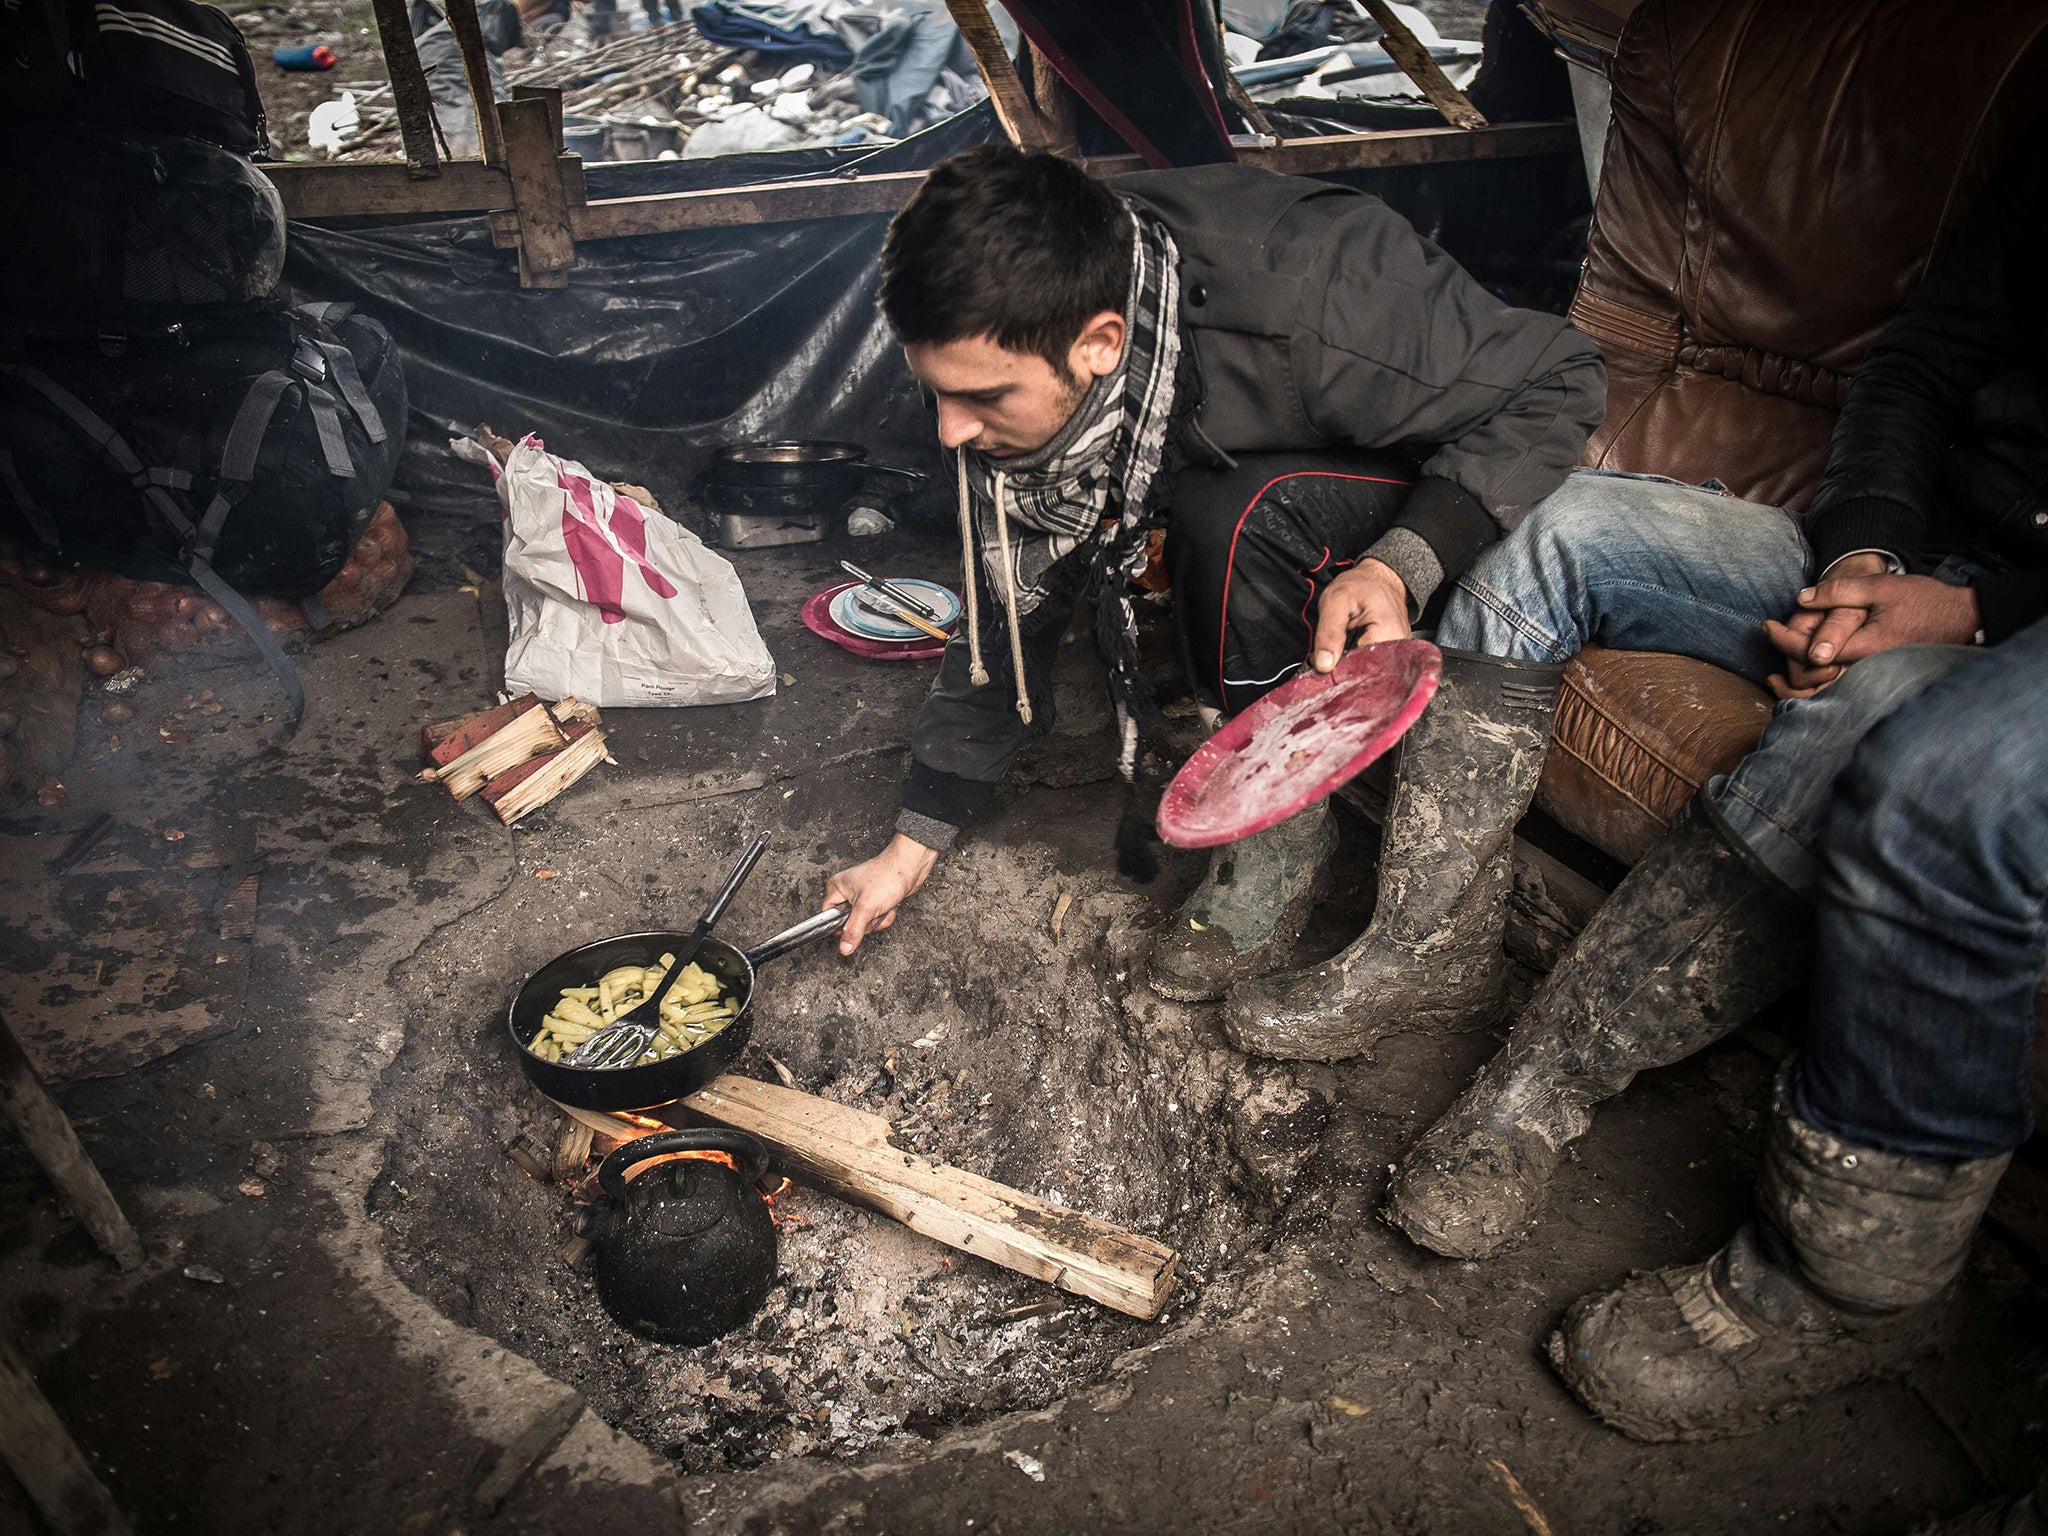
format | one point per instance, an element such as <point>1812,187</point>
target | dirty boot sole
<point>1471,1201</point>
<point>1202,969</point>
<point>1353,1015</point>
<point>1633,1357</point>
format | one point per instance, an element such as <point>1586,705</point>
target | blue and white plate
<point>850,612</point>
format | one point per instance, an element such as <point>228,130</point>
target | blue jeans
<point>1645,564</point>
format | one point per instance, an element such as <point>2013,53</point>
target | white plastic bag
<point>614,604</point>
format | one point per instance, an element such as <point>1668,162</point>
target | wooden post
<point>55,1145</point>
<point>1020,119</point>
<point>476,68</point>
<point>408,87</point>
<point>547,250</point>
<point>1406,50</point>
<point>552,95</point>
<point>46,1461</point>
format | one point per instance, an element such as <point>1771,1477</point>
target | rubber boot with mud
<point>1842,1275</point>
<point>1688,948</point>
<point>1430,962</point>
<point>1249,909</point>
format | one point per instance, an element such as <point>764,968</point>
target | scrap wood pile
<point>517,756</point>
<point>660,85</point>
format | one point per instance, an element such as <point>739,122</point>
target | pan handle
<point>830,920</point>
<point>914,476</point>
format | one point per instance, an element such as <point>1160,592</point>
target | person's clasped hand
<point>1368,600</point>
<point>1858,610</point>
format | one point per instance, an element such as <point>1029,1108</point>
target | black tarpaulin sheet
<point>660,348</point>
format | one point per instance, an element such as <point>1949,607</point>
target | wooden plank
<point>552,95</point>
<point>1406,50</point>
<point>847,196</point>
<point>547,250</point>
<point>1054,99</point>
<point>388,187</point>
<point>408,88</point>
<point>46,1461</point>
<point>1013,106</point>
<point>54,1145</point>
<point>476,68</point>
<point>847,1152</point>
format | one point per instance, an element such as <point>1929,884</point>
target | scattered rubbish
<point>306,56</point>
<point>1030,1466</point>
<point>546,874</point>
<point>1346,1406</point>
<point>1059,913</point>
<point>119,712</point>
<point>782,1073</point>
<point>254,1188</point>
<point>126,681</point>
<point>50,792</point>
<point>173,835</point>
<point>869,523</point>
<point>1531,1515</point>
<point>204,1275</point>
<point>332,123</point>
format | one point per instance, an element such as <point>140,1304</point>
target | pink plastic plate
<point>817,617</point>
<point>1298,743</point>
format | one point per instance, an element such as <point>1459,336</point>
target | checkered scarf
<point>1091,482</point>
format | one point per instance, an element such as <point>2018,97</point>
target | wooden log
<point>1054,99</point>
<point>476,68</point>
<point>847,1152</point>
<point>408,88</point>
<point>1013,105</point>
<point>46,1461</point>
<point>572,1147</point>
<point>547,250</point>
<point>1406,50</point>
<point>54,1145</point>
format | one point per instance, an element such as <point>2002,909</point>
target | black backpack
<point>114,235</point>
<point>171,66</point>
<point>247,459</point>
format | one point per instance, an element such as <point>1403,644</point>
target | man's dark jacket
<point>1320,318</point>
<point>1942,445</point>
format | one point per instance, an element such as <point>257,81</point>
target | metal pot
<point>686,1251</point>
<point>673,1077</point>
<point>793,478</point>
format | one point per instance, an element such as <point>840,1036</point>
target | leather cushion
<point>1637,733</point>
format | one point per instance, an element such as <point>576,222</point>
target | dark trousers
<point>1251,549</point>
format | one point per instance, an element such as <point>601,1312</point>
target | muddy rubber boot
<point>1842,1275</point>
<point>1249,909</point>
<point>1431,960</point>
<point>1688,948</point>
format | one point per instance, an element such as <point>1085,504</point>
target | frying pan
<point>672,1077</point>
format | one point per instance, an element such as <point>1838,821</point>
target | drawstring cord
<point>1010,599</point>
<point>976,670</point>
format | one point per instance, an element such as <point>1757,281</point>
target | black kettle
<point>685,1252</point>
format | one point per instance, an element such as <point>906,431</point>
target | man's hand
<point>1854,614</point>
<point>875,889</point>
<point>1369,599</point>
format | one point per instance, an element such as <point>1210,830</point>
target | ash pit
<point>1037,1061</point>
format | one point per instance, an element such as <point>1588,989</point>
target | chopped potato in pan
<point>698,1009</point>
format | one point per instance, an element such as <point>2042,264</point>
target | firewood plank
<point>846,1152</point>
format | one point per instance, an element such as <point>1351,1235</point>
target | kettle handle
<point>750,1152</point>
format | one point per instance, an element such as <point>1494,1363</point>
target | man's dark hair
<point>1023,247</point>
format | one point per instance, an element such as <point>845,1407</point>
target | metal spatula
<point>624,1041</point>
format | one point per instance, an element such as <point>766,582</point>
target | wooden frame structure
<point>534,191</point>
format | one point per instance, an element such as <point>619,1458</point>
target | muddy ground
<point>356,1316</point>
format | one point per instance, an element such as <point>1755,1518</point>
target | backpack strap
<point>327,422</point>
<point>17,492</point>
<point>327,312</point>
<point>348,379</point>
<point>155,486</point>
